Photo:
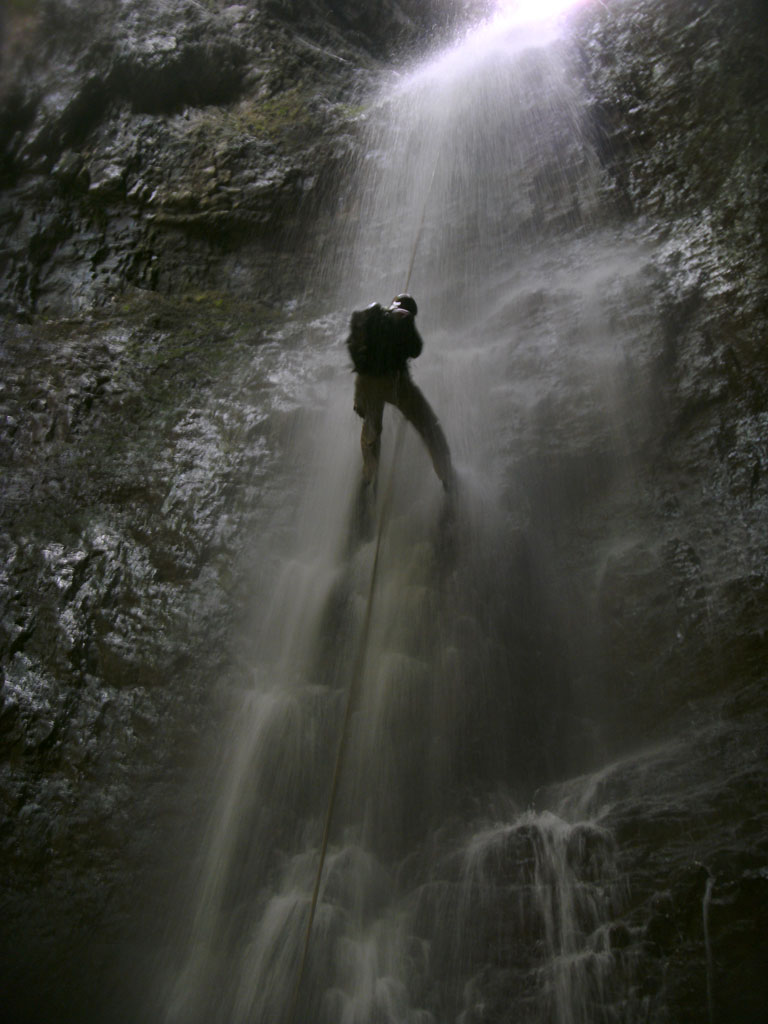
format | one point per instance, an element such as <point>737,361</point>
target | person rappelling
<point>381,342</point>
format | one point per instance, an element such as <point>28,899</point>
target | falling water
<point>442,896</point>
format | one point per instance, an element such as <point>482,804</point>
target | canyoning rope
<point>354,689</point>
<point>420,229</point>
<point>362,650</point>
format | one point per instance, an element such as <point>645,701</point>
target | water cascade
<point>444,894</point>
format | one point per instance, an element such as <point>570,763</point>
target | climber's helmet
<point>405,302</point>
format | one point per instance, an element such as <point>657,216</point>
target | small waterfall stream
<point>441,894</point>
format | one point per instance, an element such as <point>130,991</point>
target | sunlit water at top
<point>514,27</point>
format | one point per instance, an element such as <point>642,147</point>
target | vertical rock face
<point>142,142</point>
<point>168,171</point>
<point>678,107</point>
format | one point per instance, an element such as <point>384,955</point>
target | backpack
<point>381,341</point>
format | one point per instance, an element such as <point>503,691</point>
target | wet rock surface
<point>166,174</point>
<point>142,143</point>
<point>671,628</point>
<point>118,471</point>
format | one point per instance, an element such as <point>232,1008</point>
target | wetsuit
<point>381,342</point>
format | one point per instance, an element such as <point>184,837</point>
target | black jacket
<point>381,341</point>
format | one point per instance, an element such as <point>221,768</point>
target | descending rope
<point>362,651</point>
<point>354,689</point>
<point>420,229</point>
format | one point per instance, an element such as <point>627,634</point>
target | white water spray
<point>485,143</point>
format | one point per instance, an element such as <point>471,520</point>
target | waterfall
<point>442,893</point>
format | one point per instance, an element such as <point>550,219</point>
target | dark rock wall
<point>143,142</point>
<point>173,163</point>
<point>678,105</point>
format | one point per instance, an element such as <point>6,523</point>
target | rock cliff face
<point>162,145</point>
<point>169,171</point>
<point>678,107</point>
